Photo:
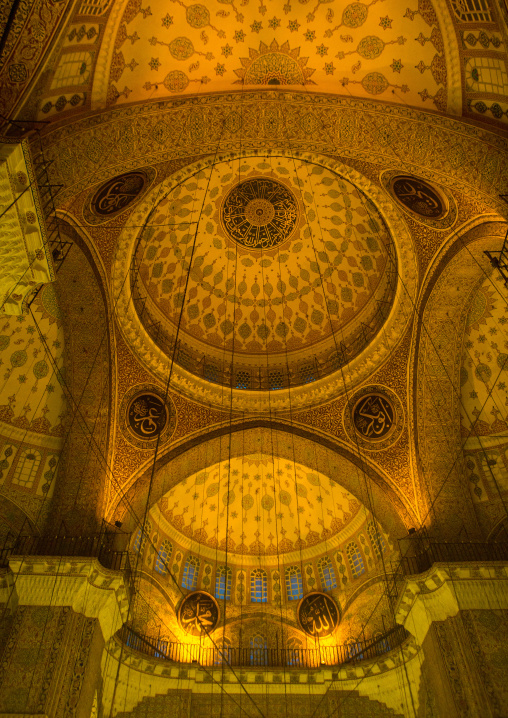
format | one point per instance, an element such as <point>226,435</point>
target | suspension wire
<point>349,404</point>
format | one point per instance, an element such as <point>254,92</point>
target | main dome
<point>276,267</point>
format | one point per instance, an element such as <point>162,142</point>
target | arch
<point>324,454</point>
<point>26,468</point>
<point>258,650</point>
<point>436,442</point>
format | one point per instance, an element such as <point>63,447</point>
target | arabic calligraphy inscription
<point>419,197</point>
<point>318,614</point>
<point>373,417</point>
<point>147,416</point>
<point>118,193</point>
<point>259,213</point>
<point>199,613</point>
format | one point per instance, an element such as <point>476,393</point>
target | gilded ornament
<point>198,613</point>
<point>318,614</point>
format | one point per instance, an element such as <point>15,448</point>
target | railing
<point>97,546</point>
<point>423,552</point>
<point>429,552</point>
<point>263,657</point>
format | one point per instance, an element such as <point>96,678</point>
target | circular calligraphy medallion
<point>318,614</point>
<point>198,613</point>
<point>419,197</point>
<point>373,417</point>
<point>147,416</point>
<point>118,193</point>
<point>259,213</point>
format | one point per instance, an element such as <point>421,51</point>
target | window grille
<point>223,583</point>
<point>472,10</point>
<point>258,650</point>
<point>376,539</point>
<point>212,373</point>
<point>355,559</point>
<point>243,380</point>
<point>326,573</point>
<point>190,573</point>
<point>163,557</point>
<point>275,379</point>
<point>73,69</point>
<point>307,374</point>
<point>93,7</point>
<point>141,537</point>
<point>26,469</point>
<point>258,586</point>
<point>486,74</point>
<point>294,584</point>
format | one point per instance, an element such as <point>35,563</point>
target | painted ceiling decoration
<point>260,506</point>
<point>388,50</point>
<point>290,262</point>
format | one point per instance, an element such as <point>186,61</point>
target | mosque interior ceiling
<point>276,344</point>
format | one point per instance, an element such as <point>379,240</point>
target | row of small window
<point>258,578</point>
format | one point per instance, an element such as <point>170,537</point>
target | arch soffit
<point>90,254</point>
<point>450,151</point>
<point>321,454</point>
<point>444,301</point>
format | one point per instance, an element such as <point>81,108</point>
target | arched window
<point>472,10</point>
<point>326,573</point>
<point>294,652</point>
<point>294,584</point>
<point>223,653</point>
<point>190,573</point>
<point>223,583</point>
<point>258,583</point>
<point>93,7</point>
<point>355,559</point>
<point>376,539</point>
<point>258,650</point>
<point>26,469</point>
<point>163,557</point>
<point>141,537</point>
<point>73,70</point>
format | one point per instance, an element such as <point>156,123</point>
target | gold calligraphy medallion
<point>259,213</point>
<point>198,613</point>
<point>118,193</point>
<point>419,197</point>
<point>318,614</point>
<point>147,416</point>
<point>373,417</point>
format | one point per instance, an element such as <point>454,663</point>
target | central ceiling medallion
<point>259,213</point>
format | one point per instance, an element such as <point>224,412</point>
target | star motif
<point>397,65</point>
<point>262,9</point>
<point>287,7</point>
<point>239,36</point>
<point>322,50</point>
<point>154,63</point>
<point>310,35</point>
<point>227,50</point>
<point>256,26</point>
<point>220,69</point>
<point>293,25</point>
<point>385,22</point>
<point>167,21</point>
<point>329,68</point>
<point>274,23</point>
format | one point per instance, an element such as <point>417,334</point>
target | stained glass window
<point>355,559</point>
<point>376,539</point>
<point>326,573</point>
<point>258,650</point>
<point>223,583</point>
<point>258,584</point>
<point>190,573</point>
<point>141,537</point>
<point>294,585</point>
<point>163,557</point>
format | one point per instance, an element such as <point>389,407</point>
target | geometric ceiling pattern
<point>390,50</point>
<point>285,255</point>
<point>264,504</point>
